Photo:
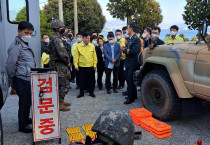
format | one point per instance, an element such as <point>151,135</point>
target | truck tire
<point>159,95</point>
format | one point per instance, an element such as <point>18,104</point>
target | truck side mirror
<point>204,28</point>
<point>204,32</point>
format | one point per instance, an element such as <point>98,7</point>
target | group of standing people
<point>79,58</point>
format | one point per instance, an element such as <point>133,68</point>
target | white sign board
<point>45,105</point>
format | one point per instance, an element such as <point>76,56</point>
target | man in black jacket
<point>156,33</point>
<point>131,64</point>
<point>100,64</point>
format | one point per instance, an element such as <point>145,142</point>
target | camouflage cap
<point>116,125</point>
<point>57,24</point>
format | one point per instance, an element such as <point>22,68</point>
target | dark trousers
<point>77,78</point>
<point>73,73</point>
<point>115,77</point>
<point>132,90</point>
<point>100,71</point>
<point>23,89</point>
<point>86,79</point>
<point>121,74</point>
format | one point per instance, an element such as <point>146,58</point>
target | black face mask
<point>70,36</point>
<point>62,31</point>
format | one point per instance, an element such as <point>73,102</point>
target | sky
<point>172,11</point>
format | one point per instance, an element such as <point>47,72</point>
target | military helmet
<point>57,24</point>
<point>115,125</point>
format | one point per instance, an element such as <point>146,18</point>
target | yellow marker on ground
<point>77,137</point>
<point>73,130</point>
<point>87,127</point>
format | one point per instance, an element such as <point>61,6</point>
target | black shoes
<point>108,91</point>
<point>93,95</point>
<point>128,102</point>
<point>125,93</point>
<point>115,91</point>
<point>26,129</point>
<point>80,95</point>
<point>100,88</point>
<point>126,98</point>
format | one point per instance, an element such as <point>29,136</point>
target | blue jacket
<point>108,54</point>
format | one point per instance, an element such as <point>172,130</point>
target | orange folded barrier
<point>147,128</point>
<point>156,128</point>
<point>161,136</point>
<point>160,132</point>
<point>137,122</point>
<point>140,113</point>
<point>156,125</point>
<point>143,118</point>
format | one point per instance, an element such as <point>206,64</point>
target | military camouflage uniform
<point>59,60</point>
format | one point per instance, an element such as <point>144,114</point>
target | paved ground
<point>86,110</point>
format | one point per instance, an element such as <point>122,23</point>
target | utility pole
<point>75,18</point>
<point>60,9</point>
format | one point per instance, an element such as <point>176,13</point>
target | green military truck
<point>172,73</point>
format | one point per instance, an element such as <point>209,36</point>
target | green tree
<point>167,35</point>
<point>123,9</point>
<point>151,16</point>
<point>21,15</point>
<point>195,12</point>
<point>184,38</point>
<point>44,25</point>
<point>90,17</point>
<point>182,35</point>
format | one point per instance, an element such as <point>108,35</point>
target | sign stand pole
<point>2,138</point>
<point>59,140</point>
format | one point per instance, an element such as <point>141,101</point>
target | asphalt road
<point>186,131</point>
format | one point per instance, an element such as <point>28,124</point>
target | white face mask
<point>111,41</point>
<point>26,38</point>
<point>94,42</point>
<point>79,40</point>
<point>154,35</point>
<point>144,35</point>
<point>47,40</point>
<point>126,35</point>
<point>138,36</point>
<point>118,37</point>
<point>173,33</point>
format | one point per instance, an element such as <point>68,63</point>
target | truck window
<point>17,11</point>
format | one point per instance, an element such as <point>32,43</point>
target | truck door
<point>202,73</point>
<point>12,12</point>
<point>3,75</point>
<point>23,10</point>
